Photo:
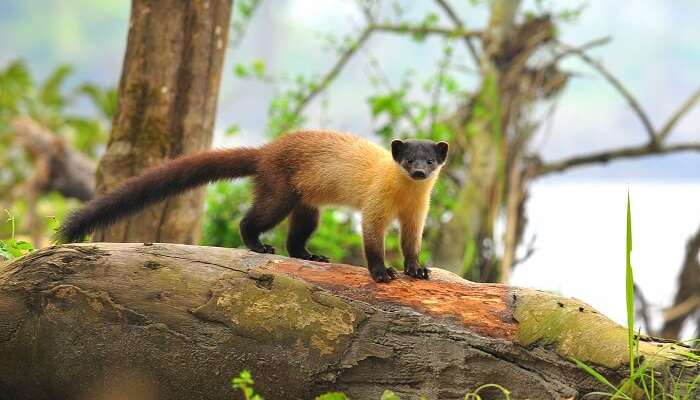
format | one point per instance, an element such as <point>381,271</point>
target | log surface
<point>177,322</point>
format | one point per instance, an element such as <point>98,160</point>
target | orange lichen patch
<point>481,308</point>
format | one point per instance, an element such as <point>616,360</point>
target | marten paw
<point>263,248</point>
<point>417,271</point>
<point>319,258</point>
<point>383,275</point>
<point>310,257</point>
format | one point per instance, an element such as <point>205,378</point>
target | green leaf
<point>241,71</point>
<point>233,130</point>
<point>259,68</point>
<point>389,395</point>
<point>332,396</point>
<point>104,99</point>
<point>50,91</point>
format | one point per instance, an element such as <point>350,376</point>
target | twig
<point>584,47</point>
<point>437,90</point>
<point>334,71</point>
<point>426,30</point>
<point>634,104</point>
<point>458,23</point>
<point>687,106</point>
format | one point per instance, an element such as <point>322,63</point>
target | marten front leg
<point>373,229</point>
<point>411,237</point>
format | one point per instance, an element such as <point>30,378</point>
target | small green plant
<point>12,248</point>
<point>332,396</point>
<point>642,382</point>
<point>244,383</point>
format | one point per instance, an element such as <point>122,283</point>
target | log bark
<point>166,107</point>
<point>177,322</point>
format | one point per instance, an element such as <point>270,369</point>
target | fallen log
<point>177,322</point>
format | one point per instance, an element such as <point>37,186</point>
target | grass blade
<point>629,289</point>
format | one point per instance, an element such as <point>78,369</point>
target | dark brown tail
<point>156,184</point>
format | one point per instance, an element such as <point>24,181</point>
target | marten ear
<point>441,150</point>
<point>397,147</point>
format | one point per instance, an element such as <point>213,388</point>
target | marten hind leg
<point>302,223</point>
<point>269,208</point>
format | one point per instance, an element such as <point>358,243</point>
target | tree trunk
<point>177,322</point>
<point>167,104</point>
<point>495,129</point>
<point>464,241</point>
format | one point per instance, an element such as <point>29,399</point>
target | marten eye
<point>431,161</point>
<point>410,161</point>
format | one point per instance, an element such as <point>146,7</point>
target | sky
<point>578,217</point>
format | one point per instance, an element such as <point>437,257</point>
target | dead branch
<point>604,157</point>
<point>687,299</point>
<point>631,100</point>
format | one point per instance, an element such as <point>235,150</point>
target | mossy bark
<point>166,107</point>
<point>177,322</point>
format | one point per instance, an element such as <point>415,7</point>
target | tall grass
<point>642,382</point>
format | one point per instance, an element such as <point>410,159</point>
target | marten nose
<point>419,174</point>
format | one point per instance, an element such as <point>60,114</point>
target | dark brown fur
<point>156,184</point>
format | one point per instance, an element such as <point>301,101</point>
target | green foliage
<point>389,395</point>
<point>629,289</point>
<point>244,383</point>
<point>49,103</point>
<point>243,12</point>
<point>332,396</point>
<point>13,248</point>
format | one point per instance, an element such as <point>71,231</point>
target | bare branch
<point>614,154</point>
<point>683,308</point>
<point>687,106</point>
<point>458,23</point>
<point>334,71</point>
<point>634,104</point>
<point>426,30</point>
<point>584,47</point>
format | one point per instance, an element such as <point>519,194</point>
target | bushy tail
<point>156,184</point>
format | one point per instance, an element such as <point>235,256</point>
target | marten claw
<point>417,272</point>
<point>319,258</point>
<point>383,275</point>
<point>264,248</point>
<point>310,257</point>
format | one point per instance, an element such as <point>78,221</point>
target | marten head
<point>419,158</point>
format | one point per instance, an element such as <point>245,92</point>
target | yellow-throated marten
<point>296,174</point>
